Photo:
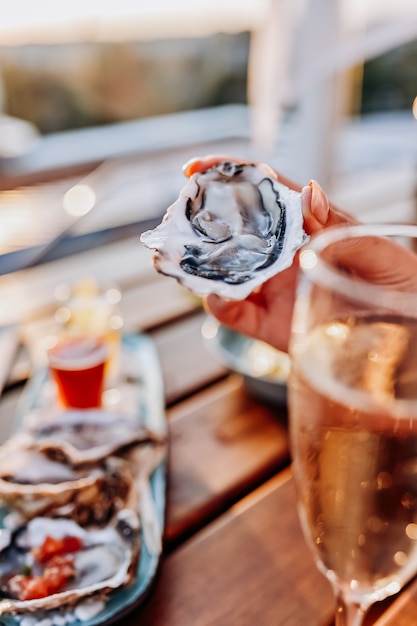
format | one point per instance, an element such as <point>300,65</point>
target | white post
<point>268,78</point>
<point>319,106</point>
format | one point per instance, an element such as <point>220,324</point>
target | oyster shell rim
<point>139,434</point>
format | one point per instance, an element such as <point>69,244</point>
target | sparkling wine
<point>353,406</point>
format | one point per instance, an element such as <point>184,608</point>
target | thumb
<point>377,259</point>
<point>318,213</point>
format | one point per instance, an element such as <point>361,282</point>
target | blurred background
<point>102,102</point>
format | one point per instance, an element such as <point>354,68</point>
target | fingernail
<point>306,200</point>
<point>319,202</point>
<point>187,167</point>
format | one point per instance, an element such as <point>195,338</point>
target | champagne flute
<point>353,410</point>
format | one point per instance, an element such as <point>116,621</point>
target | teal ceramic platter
<point>142,372</point>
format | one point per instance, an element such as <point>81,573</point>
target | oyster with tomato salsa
<point>52,562</point>
<point>46,559</point>
<point>233,227</point>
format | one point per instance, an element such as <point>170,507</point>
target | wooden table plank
<point>156,302</point>
<point>251,566</point>
<point>186,363</point>
<point>398,611</point>
<point>29,293</point>
<point>223,444</point>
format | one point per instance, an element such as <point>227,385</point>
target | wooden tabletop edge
<point>243,505</point>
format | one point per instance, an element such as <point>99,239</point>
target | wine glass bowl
<point>353,410</point>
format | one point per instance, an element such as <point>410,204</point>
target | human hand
<point>266,313</point>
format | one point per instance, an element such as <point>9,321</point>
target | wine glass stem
<point>348,613</point>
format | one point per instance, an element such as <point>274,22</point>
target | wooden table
<point>234,554</point>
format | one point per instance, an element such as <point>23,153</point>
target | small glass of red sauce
<point>77,365</point>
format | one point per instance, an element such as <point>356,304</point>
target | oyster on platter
<point>71,532</point>
<point>70,561</point>
<point>87,436</point>
<point>233,227</point>
<point>35,484</point>
<point>82,497</point>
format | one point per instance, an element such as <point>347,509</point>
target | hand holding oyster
<point>267,313</point>
<point>233,227</point>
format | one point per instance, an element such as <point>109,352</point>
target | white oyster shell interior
<point>232,228</point>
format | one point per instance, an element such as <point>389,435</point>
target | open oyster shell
<point>111,547</point>
<point>232,227</point>
<point>107,560</point>
<point>85,436</point>
<point>34,484</point>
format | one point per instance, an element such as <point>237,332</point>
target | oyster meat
<point>233,227</point>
